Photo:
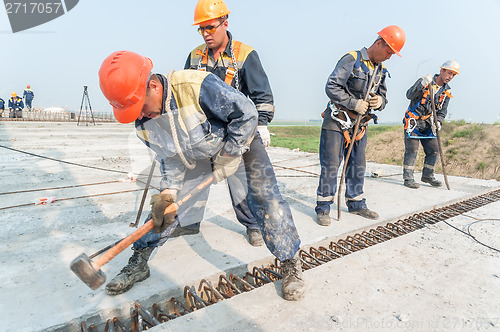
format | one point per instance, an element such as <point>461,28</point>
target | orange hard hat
<point>207,10</point>
<point>123,79</point>
<point>394,36</point>
<point>28,86</point>
<point>13,94</point>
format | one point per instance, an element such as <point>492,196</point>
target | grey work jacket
<point>349,82</point>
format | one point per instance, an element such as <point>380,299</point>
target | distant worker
<point>2,107</point>
<point>198,126</point>
<point>419,123</point>
<point>15,106</point>
<point>28,96</point>
<point>239,66</point>
<point>347,87</point>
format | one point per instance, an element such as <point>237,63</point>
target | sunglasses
<point>210,29</point>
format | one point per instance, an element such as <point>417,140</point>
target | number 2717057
<point>33,7</point>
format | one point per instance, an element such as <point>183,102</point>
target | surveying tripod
<point>86,100</point>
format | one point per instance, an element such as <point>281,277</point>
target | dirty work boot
<point>255,237</point>
<point>136,270</point>
<point>186,230</point>
<point>411,184</point>
<point>293,286</point>
<point>366,213</point>
<point>324,218</point>
<point>432,181</point>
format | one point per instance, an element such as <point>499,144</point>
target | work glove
<point>361,106</point>
<point>264,135</point>
<point>375,101</point>
<point>438,125</point>
<point>426,80</point>
<point>159,203</point>
<point>224,165</point>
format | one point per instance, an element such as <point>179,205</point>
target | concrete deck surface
<point>409,279</point>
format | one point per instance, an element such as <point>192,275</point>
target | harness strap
<point>204,59</point>
<point>230,72</point>
<point>359,136</point>
<point>444,94</point>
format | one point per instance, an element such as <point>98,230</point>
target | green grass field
<point>306,138</point>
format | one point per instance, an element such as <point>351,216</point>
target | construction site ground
<point>433,279</point>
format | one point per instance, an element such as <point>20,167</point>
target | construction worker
<point>239,66</point>
<point>198,126</point>
<point>2,107</point>
<point>15,106</point>
<point>419,122</point>
<point>28,96</point>
<point>347,87</point>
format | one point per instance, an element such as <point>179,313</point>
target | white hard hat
<point>451,65</point>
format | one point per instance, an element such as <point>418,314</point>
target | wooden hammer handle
<point>141,231</point>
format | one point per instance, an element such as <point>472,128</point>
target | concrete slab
<point>434,279</point>
<point>38,290</point>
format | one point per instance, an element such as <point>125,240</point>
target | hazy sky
<point>298,42</point>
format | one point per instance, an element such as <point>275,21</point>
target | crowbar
<point>355,133</point>
<point>440,147</point>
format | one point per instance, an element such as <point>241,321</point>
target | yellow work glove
<point>224,165</point>
<point>159,203</point>
<point>361,106</point>
<point>375,102</point>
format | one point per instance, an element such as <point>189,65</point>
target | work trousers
<point>28,103</point>
<point>332,151</point>
<point>238,194</point>
<point>431,150</point>
<point>240,204</point>
<point>265,203</point>
<point>16,114</point>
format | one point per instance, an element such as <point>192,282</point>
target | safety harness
<point>232,69</point>
<point>344,116</point>
<point>411,116</point>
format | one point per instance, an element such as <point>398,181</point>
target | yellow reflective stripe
<point>186,85</point>
<point>143,134</point>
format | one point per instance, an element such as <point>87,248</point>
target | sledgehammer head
<point>82,267</point>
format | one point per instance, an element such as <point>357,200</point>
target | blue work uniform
<point>248,76</point>
<point>418,126</point>
<point>28,96</point>
<point>209,116</point>
<point>345,86</point>
<point>16,107</point>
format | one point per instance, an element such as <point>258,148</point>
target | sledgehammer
<point>90,271</point>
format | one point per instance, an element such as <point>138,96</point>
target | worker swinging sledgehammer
<point>196,134</point>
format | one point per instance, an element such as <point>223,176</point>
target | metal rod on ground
<point>104,249</point>
<point>144,194</point>
<point>353,140</point>
<point>438,137</point>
